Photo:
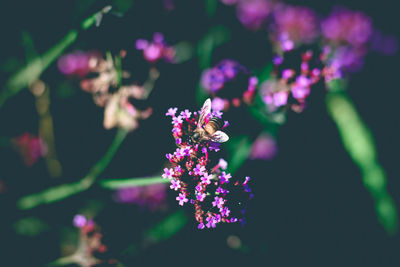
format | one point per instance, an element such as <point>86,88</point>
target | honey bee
<point>208,127</point>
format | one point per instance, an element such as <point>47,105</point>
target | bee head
<point>196,136</point>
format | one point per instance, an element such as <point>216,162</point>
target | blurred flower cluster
<point>107,87</point>
<point>90,246</point>
<point>230,84</point>
<point>150,197</point>
<point>156,49</point>
<point>216,196</point>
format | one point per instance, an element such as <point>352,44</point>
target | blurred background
<point>311,207</point>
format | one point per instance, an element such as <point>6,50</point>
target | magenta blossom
<point>293,26</point>
<point>198,180</point>
<point>253,13</point>
<point>156,49</point>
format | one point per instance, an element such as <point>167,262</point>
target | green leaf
<point>211,7</point>
<point>239,148</point>
<point>217,36</point>
<point>167,228</point>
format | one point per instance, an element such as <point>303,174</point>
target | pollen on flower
<point>199,177</point>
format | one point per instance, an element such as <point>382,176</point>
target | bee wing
<point>205,111</point>
<point>219,137</point>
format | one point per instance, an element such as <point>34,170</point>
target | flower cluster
<point>156,49</point>
<point>229,83</point>
<point>346,34</point>
<point>109,92</point>
<point>90,242</point>
<point>291,86</point>
<point>200,183</point>
<point>253,13</point>
<point>293,26</point>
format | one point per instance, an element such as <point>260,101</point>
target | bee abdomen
<point>216,123</point>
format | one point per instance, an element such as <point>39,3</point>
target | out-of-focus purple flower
<point>213,79</point>
<point>277,91</point>
<point>264,148</point>
<point>150,196</point>
<point>253,13</point>
<point>293,26</point>
<point>80,221</point>
<point>220,81</point>
<point>30,147</point>
<point>156,49</point>
<point>219,103</point>
<point>75,63</point>
<point>346,26</point>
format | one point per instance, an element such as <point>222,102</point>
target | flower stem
<point>131,182</point>
<point>61,192</point>
<point>35,67</point>
<point>358,141</point>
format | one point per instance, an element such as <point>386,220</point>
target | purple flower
<point>225,212</point>
<point>192,175</point>
<point>206,178</point>
<point>218,202</point>
<point>168,173</point>
<point>230,68</point>
<point>177,120</point>
<point>186,114</point>
<point>224,178</point>
<point>294,25</point>
<point>75,63</point>
<point>214,146</point>
<point>199,170</point>
<point>253,13</point>
<point>175,184</point>
<point>171,112</point>
<point>182,199</point>
<point>222,164</point>
<point>211,222</point>
<point>155,50</point>
<point>264,147</point>
<point>218,103</point>
<point>201,196</point>
<point>212,79</point>
<point>353,27</point>
<point>220,190</point>
<point>280,98</point>
<point>80,220</point>
<point>150,196</point>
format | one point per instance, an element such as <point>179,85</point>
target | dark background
<point>311,207</point>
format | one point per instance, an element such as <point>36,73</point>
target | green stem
<point>32,71</point>
<point>131,182</point>
<point>358,141</point>
<point>60,192</point>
